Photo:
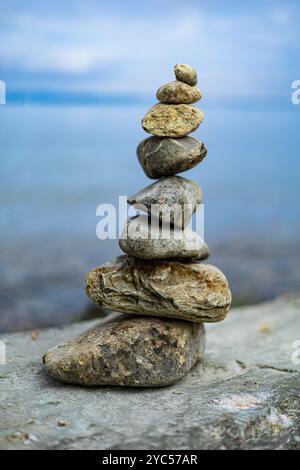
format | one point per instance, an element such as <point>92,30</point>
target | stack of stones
<point>161,285</point>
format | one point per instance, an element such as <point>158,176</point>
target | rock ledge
<point>245,394</point>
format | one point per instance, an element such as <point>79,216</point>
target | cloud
<point>114,50</point>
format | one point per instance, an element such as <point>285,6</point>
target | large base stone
<point>129,351</point>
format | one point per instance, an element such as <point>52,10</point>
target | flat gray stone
<point>129,351</point>
<point>244,395</point>
<point>163,156</point>
<point>172,199</point>
<point>195,292</point>
<point>172,120</point>
<point>146,239</point>
<point>178,92</point>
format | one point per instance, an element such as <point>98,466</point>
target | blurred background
<point>80,75</point>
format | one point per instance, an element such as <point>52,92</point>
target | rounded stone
<point>138,352</point>
<point>178,92</point>
<point>172,120</point>
<point>146,238</point>
<point>172,199</point>
<point>191,291</point>
<point>186,74</point>
<point>163,156</point>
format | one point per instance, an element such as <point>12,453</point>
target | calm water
<point>59,163</point>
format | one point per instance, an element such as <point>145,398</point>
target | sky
<point>115,48</point>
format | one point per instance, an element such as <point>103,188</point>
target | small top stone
<point>186,74</point>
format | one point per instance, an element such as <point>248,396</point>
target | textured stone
<point>172,120</point>
<point>244,394</point>
<point>139,352</point>
<point>174,197</point>
<point>185,73</point>
<point>146,239</point>
<point>178,92</point>
<point>189,291</point>
<point>163,156</point>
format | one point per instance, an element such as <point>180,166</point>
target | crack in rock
<point>243,365</point>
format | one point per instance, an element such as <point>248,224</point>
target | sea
<point>58,163</point>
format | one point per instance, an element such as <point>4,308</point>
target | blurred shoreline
<point>50,289</point>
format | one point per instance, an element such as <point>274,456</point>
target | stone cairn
<point>161,283</point>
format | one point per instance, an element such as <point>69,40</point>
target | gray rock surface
<point>129,351</point>
<point>186,74</point>
<point>172,120</point>
<point>144,238</point>
<point>163,156</point>
<point>189,291</point>
<point>172,199</point>
<point>244,395</point>
<point>178,92</point>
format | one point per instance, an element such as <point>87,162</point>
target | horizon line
<point>77,98</point>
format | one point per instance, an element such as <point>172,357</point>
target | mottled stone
<point>171,199</point>
<point>185,73</point>
<point>195,292</point>
<point>178,92</point>
<point>163,156</point>
<point>148,239</point>
<point>139,352</point>
<point>172,120</point>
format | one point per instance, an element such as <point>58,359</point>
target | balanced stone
<point>172,120</point>
<point>139,352</point>
<point>178,92</point>
<point>172,199</point>
<point>195,292</point>
<point>147,238</point>
<point>186,74</point>
<point>162,156</point>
